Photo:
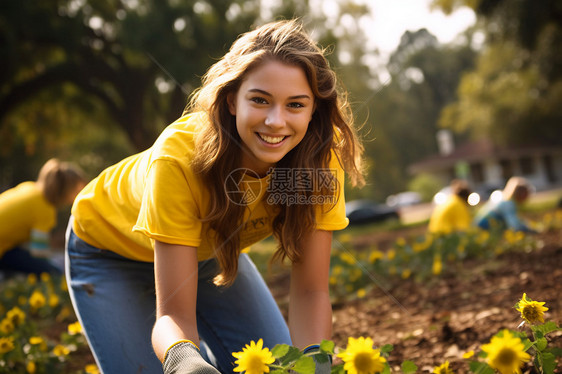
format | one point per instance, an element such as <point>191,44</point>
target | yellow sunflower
<point>361,358</point>
<point>531,311</point>
<point>254,358</point>
<point>16,315</point>
<point>7,326</point>
<point>6,344</point>
<point>443,369</point>
<point>61,351</point>
<point>74,328</point>
<point>92,369</point>
<point>37,299</point>
<point>31,367</point>
<point>506,353</point>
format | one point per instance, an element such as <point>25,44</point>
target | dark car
<point>367,211</point>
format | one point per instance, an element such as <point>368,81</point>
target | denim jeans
<point>20,260</point>
<point>114,299</point>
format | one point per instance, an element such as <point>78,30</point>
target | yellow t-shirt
<point>453,215</point>
<point>23,209</point>
<point>155,195</point>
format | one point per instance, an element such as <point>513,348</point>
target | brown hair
<point>461,188</point>
<point>58,180</point>
<point>516,188</point>
<point>218,145</point>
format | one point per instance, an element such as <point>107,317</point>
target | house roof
<point>478,151</point>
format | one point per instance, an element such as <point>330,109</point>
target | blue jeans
<point>114,299</point>
<point>20,260</point>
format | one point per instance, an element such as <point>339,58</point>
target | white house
<point>484,164</point>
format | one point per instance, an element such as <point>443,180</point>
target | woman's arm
<point>310,310</point>
<point>175,272</point>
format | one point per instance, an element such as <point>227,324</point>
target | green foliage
<point>403,114</point>
<point>355,269</point>
<point>510,96</point>
<point>426,185</point>
<point>29,309</point>
<point>409,367</point>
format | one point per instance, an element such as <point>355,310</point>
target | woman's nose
<point>275,117</point>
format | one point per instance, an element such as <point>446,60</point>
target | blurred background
<point>441,89</point>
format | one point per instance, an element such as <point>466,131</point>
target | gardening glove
<point>323,361</point>
<point>185,358</point>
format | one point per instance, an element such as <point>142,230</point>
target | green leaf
<point>409,367</point>
<point>280,350</point>
<point>278,371</point>
<point>337,369</point>
<point>548,363</point>
<point>386,369</point>
<point>541,344</point>
<point>527,344</point>
<point>292,355</point>
<point>305,365</point>
<point>547,327</point>
<point>387,348</point>
<point>480,368</point>
<point>556,351</point>
<point>327,346</point>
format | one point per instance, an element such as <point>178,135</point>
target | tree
<point>424,77</point>
<point>89,71</point>
<point>141,62</point>
<point>513,95</point>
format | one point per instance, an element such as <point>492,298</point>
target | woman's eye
<point>296,105</point>
<point>259,100</point>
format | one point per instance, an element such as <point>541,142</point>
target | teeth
<point>272,139</point>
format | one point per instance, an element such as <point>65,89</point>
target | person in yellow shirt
<point>454,214</point>
<point>156,265</point>
<point>28,213</point>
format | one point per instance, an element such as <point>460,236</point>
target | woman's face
<point>273,108</point>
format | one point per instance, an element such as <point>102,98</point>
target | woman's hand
<point>184,358</point>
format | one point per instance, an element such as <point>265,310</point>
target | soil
<point>456,312</point>
<point>450,314</point>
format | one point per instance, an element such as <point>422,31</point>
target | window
<point>527,165</point>
<point>477,173</point>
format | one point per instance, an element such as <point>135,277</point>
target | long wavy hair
<point>219,145</point>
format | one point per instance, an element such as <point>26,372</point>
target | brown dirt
<point>456,312</point>
<point>448,315</point>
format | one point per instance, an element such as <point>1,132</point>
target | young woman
<point>156,265</point>
<point>28,213</point>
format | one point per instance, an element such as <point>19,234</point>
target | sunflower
<point>74,328</point>
<point>6,344</point>
<point>531,311</point>
<point>61,351</point>
<point>16,315</point>
<point>31,367</point>
<point>361,358</point>
<point>443,369</point>
<point>254,359</point>
<point>92,369</point>
<point>506,353</point>
<point>37,299</point>
<point>7,326</point>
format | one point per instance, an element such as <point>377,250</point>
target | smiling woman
<point>171,223</point>
<point>273,108</point>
